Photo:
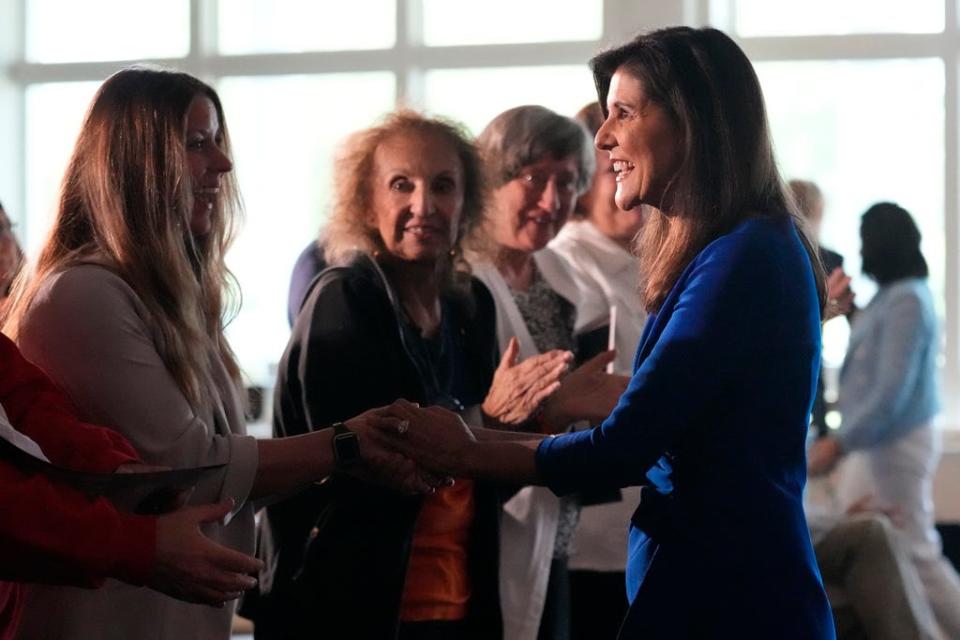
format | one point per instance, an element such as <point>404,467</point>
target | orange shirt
<point>437,586</point>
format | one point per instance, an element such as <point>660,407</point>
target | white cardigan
<point>528,527</point>
<point>600,542</point>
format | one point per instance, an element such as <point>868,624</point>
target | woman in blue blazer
<point>712,425</point>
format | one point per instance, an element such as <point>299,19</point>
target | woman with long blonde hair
<point>125,311</point>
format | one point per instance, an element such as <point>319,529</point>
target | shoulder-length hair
<point>348,230</point>
<point>891,244</point>
<point>127,198</point>
<point>728,173</point>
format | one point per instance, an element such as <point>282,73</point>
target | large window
<point>828,17</point>
<point>845,133</point>
<point>285,130</point>
<point>862,98</point>
<point>295,78</point>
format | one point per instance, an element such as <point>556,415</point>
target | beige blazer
<point>92,334</point>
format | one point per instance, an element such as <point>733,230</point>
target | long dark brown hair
<point>891,244</point>
<point>708,86</point>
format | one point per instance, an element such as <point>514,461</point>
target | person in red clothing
<point>51,533</point>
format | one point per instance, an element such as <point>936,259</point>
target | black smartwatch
<point>346,446</point>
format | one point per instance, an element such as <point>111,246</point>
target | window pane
<point>287,26</point>
<point>508,21</point>
<point>860,146</point>
<point>54,113</point>
<point>565,89</point>
<point>824,17</point>
<point>93,30</point>
<point>284,131</point>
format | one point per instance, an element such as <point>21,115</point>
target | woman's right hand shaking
<point>381,463</point>
<point>520,388</point>
<point>587,393</point>
<point>437,439</point>
<point>191,567</point>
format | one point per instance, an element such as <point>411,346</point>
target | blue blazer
<point>713,426</point>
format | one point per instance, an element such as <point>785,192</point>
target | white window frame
<point>944,46</point>
<point>410,58</point>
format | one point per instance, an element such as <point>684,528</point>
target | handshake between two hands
<point>401,445</point>
<point>412,449</point>
<point>418,449</point>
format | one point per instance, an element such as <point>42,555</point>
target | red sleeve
<point>40,410</point>
<point>50,533</point>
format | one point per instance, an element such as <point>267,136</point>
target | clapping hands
<point>520,388</point>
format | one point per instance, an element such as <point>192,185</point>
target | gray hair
<point>806,195</point>
<point>521,136</point>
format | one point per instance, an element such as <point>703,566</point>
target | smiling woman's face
<point>529,210</point>
<point>206,160</point>
<point>643,141</point>
<point>417,195</point>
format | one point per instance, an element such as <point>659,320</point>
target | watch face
<point>346,448</point>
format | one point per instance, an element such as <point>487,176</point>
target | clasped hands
<point>410,448</point>
<point>418,449</point>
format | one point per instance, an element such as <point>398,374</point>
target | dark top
<point>309,264</point>
<point>830,259</point>
<point>818,417</point>
<point>352,350</point>
<point>713,426</point>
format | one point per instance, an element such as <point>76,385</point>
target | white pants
<point>899,475</point>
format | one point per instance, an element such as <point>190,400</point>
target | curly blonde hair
<point>348,230</point>
<point>127,196</point>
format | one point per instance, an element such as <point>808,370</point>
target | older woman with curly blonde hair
<point>397,316</point>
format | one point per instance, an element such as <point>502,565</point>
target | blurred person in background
<point>308,265</point>
<point>889,400</point>
<point>870,579</point>
<point>810,202</point>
